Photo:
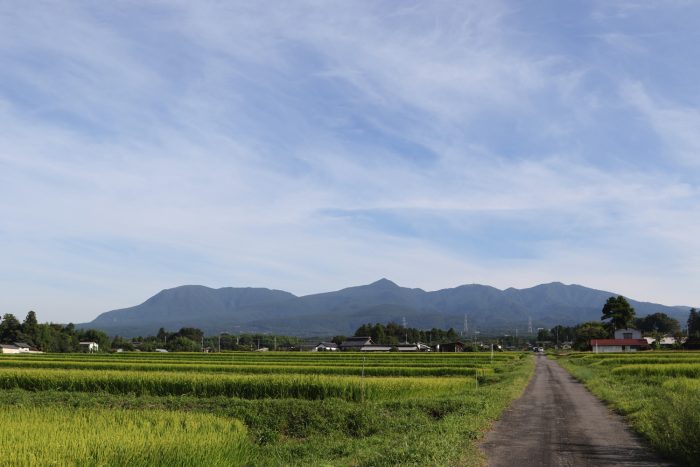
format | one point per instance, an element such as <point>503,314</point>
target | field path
<point>557,422</point>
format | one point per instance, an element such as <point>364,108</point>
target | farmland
<point>277,408</point>
<point>659,392</point>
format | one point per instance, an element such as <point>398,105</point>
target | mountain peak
<point>383,282</point>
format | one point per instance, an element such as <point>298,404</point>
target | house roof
<point>641,342</point>
<point>87,343</point>
<point>22,344</point>
<point>8,346</point>
<point>356,342</point>
<point>328,344</point>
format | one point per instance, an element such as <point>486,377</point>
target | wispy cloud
<point>311,146</point>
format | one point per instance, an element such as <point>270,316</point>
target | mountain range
<point>261,310</point>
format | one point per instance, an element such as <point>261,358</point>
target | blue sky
<point>308,146</point>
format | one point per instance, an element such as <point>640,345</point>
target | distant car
<point>540,349</point>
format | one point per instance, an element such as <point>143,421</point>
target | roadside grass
<point>660,399</point>
<point>410,420</point>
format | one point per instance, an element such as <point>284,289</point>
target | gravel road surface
<point>557,422</point>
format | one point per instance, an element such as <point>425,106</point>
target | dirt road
<point>557,422</point>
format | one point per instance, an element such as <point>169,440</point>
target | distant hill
<point>489,310</point>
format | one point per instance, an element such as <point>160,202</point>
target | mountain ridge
<point>258,309</point>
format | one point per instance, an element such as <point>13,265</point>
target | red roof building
<point>618,345</point>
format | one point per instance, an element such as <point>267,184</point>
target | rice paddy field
<point>659,392</point>
<point>276,408</point>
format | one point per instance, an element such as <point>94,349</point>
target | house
<point>626,340</point>
<point>23,347</point>
<point>376,348</point>
<point>356,343</point>
<point>326,347</point>
<point>417,347</point>
<point>628,334</point>
<point>669,342</point>
<point>363,344</point>
<point>666,342</point>
<point>407,347</point>
<point>450,347</point>
<point>89,346</point>
<point>161,350</point>
<point>7,349</point>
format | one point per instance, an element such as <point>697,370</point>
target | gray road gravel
<point>557,422</point>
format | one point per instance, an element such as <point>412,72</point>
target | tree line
<point>48,337</point>
<point>393,333</point>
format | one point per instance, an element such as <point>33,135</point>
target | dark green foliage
<point>658,323</point>
<point>192,334</point>
<point>48,337</point>
<point>120,343</point>
<point>694,324</point>
<point>183,344</point>
<point>30,327</point>
<point>393,333</point>
<point>10,329</point>
<point>618,313</point>
<point>92,335</point>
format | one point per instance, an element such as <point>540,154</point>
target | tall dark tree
<point>618,313</point>
<point>585,332</point>
<point>10,329</point>
<point>30,327</point>
<point>694,324</point>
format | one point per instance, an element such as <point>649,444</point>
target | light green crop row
<point>241,386</point>
<point>249,368</point>
<point>686,370</point>
<point>358,362</point>
<point>335,358</point>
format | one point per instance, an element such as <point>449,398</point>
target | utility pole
<point>405,330</point>
<point>529,325</point>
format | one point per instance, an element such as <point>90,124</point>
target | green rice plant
<point>673,370</point>
<point>238,368</point>
<point>240,386</point>
<point>291,419</point>
<point>102,437</point>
